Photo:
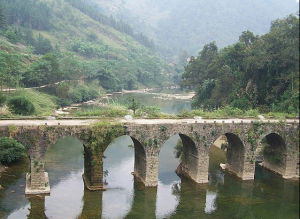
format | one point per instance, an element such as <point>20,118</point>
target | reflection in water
<point>144,202</point>
<point>224,197</point>
<point>92,205</point>
<point>37,207</point>
<point>119,163</point>
<point>210,203</point>
<point>167,201</point>
<point>64,163</point>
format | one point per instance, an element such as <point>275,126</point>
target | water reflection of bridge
<point>195,200</point>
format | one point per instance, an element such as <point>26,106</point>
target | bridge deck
<point>85,122</point>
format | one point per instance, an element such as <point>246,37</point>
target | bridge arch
<point>235,152</point>
<point>190,157</point>
<point>272,151</point>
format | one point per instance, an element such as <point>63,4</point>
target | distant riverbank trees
<point>259,72</point>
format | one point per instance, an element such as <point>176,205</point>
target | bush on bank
<point>2,99</point>
<point>10,150</point>
<point>21,105</point>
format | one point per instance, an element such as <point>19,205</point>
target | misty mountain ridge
<point>188,25</point>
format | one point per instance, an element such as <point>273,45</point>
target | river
<point>225,196</point>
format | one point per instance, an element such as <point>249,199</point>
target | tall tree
<point>3,23</point>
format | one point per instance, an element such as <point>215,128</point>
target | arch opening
<point>273,153</point>
<point>228,152</point>
<point>64,163</point>
<point>123,156</point>
<point>171,155</point>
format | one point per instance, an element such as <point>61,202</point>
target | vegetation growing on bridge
<point>103,133</point>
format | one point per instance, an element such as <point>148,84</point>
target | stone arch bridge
<point>244,147</point>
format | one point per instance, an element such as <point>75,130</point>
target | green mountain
<point>177,25</point>
<point>83,44</point>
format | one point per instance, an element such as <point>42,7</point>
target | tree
<point>2,99</point>
<point>133,105</point>
<point>258,71</point>
<point>3,23</point>
<point>42,45</point>
<point>247,37</point>
<point>45,70</point>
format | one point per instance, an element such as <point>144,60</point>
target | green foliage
<point>133,105</point>
<point>148,111</point>
<point>45,70</point>
<point>264,69</point>
<point>115,59</point>
<point>224,146</point>
<point>92,11</point>
<point>11,36</point>
<point>178,150</point>
<point>2,99</point>
<point>11,69</point>
<point>29,13</point>
<point>44,104</point>
<point>3,23</point>
<point>103,133</point>
<point>82,94</point>
<point>87,49</point>
<point>21,105</point>
<point>10,150</point>
<point>111,110</point>
<point>42,45</point>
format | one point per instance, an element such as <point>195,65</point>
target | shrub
<point>2,99</point>
<point>11,36</point>
<point>21,105</point>
<point>82,94</point>
<point>242,103</point>
<point>10,150</point>
<point>150,111</point>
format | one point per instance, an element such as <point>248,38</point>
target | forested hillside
<point>178,25</point>
<point>46,41</point>
<point>256,72</point>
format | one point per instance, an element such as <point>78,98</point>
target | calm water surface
<point>224,197</point>
<point>166,105</point>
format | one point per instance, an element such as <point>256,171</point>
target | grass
<point>111,110</point>
<point>44,104</point>
<point>152,112</point>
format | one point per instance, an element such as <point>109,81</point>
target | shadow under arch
<point>189,165</point>
<point>139,160</point>
<point>273,153</point>
<point>235,153</point>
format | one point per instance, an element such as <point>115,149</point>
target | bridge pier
<point>196,167</point>
<point>93,170</point>
<point>37,181</point>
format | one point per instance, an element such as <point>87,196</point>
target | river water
<point>225,196</point>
